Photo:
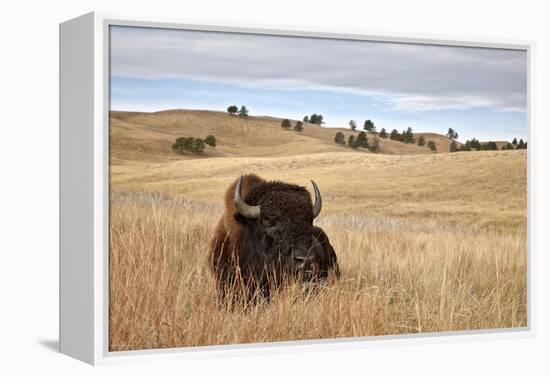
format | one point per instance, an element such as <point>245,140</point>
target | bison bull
<point>266,236</point>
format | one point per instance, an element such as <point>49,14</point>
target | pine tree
<point>299,127</point>
<point>515,142</point>
<point>394,135</point>
<point>361,140</point>
<point>466,147</point>
<point>179,145</point>
<point>339,138</point>
<point>407,137</point>
<point>316,119</point>
<point>198,145</point>
<point>286,124</point>
<point>475,144</point>
<point>210,140</point>
<point>432,146</point>
<point>489,146</point>
<point>452,134</point>
<point>188,144</point>
<point>421,141</point>
<point>369,126</point>
<point>232,109</point>
<point>351,141</point>
<point>243,111</point>
<point>383,134</point>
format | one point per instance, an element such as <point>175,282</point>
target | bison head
<point>277,231</point>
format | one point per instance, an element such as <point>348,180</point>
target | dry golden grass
<point>428,242</point>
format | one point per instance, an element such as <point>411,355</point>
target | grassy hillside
<point>150,136</point>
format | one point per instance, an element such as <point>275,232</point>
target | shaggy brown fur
<point>289,204</point>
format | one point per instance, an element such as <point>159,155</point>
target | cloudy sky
<point>480,93</point>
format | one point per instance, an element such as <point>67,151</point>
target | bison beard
<point>265,237</point>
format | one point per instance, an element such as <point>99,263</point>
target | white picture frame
<point>84,192</point>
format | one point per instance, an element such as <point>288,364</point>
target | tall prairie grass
<point>398,276</point>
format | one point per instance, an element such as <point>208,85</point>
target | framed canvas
<point>242,189</point>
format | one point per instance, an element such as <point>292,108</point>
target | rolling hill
<point>149,136</point>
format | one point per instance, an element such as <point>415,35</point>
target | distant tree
<point>182,145</point>
<point>320,120</point>
<point>394,135</point>
<point>299,127</point>
<point>316,119</point>
<point>421,141</point>
<point>452,134</point>
<point>188,144</point>
<point>198,145</point>
<point>306,119</point>
<point>521,144</point>
<point>339,138</point>
<point>286,124</point>
<point>407,136</point>
<point>351,142</point>
<point>489,146</point>
<point>469,145</point>
<point>383,134</point>
<point>352,125</point>
<point>515,142</point>
<point>432,146</point>
<point>210,140</point>
<point>453,147</point>
<point>361,140</point>
<point>232,109</point>
<point>374,145</point>
<point>507,146</point>
<point>243,111</point>
<point>466,147</point>
<point>369,126</point>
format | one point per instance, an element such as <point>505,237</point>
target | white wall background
<point>29,183</point>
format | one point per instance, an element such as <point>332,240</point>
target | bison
<point>266,236</point>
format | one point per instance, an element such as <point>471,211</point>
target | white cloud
<point>411,77</point>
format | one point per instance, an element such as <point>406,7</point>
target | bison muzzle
<point>266,236</point>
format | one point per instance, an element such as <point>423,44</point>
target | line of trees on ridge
<point>476,145</point>
<point>361,140</point>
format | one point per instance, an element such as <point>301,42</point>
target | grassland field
<point>426,241</point>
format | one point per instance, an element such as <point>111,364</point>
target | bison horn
<point>318,201</point>
<point>251,212</point>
